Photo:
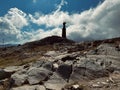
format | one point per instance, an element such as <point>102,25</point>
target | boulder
<point>55,82</point>
<point>37,75</point>
<point>19,79</point>
<point>27,87</point>
<point>4,74</point>
<point>82,73</point>
<point>78,74</point>
<point>65,71</point>
<point>89,63</point>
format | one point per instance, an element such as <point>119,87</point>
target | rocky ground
<point>67,67</point>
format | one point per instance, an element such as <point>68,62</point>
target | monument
<point>64,30</point>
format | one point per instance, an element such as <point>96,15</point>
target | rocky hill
<point>49,41</point>
<point>61,66</point>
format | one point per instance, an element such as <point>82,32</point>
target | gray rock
<point>82,73</point>
<point>59,57</point>
<point>108,49</point>
<point>38,63</point>
<point>68,57</point>
<point>69,62</point>
<point>13,68</point>
<point>89,63</point>
<point>48,65</point>
<point>4,74</point>
<point>55,82</point>
<point>19,79</point>
<point>65,71</point>
<point>36,75</point>
<point>51,53</point>
<point>55,66</point>
<point>78,74</point>
<point>27,87</point>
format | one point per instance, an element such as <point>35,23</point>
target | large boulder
<point>37,75</point>
<point>87,68</point>
<point>65,71</point>
<point>89,63</point>
<point>82,73</point>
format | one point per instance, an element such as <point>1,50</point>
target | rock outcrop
<point>61,68</point>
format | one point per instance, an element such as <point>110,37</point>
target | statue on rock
<point>64,30</point>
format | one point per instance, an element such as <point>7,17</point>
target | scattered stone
<point>74,86</point>
<point>97,86</point>
<point>27,87</point>
<point>37,75</point>
<point>55,66</point>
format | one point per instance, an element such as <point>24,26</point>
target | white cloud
<point>51,20</point>
<point>17,17</point>
<point>11,25</point>
<point>62,3</point>
<point>97,23</point>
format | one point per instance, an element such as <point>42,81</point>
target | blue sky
<point>29,20</point>
<point>46,6</point>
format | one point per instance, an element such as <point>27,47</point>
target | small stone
<point>55,65</point>
<point>96,86</point>
<point>75,86</point>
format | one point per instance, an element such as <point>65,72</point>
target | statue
<point>64,30</point>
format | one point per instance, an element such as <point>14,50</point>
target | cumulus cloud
<point>16,17</point>
<point>11,25</point>
<point>96,23</point>
<point>51,20</point>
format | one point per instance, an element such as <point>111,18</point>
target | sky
<point>30,20</point>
